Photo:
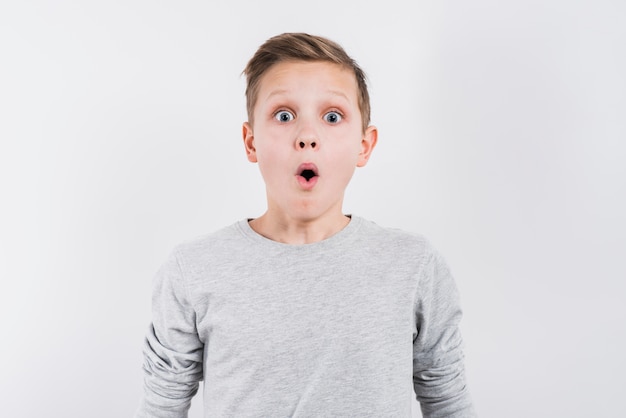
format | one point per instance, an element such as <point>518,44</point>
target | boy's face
<point>307,122</point>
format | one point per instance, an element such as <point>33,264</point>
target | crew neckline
<point>337,238</point>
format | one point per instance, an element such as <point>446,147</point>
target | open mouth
<point>308,174</point>
<point>307,171</point>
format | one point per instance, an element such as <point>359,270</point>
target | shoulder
<point>396,237</point>
<point>207,248</point>
<point>222,236</point>
<point>396,241</point>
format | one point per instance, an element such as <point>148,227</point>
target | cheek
<point>272,163</point>
<point>344,161</point>
<point>348,150</point>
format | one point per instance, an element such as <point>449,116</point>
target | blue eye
<point>332,117</point>
<point>284,116</point>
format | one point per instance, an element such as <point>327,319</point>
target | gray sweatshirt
<point>345,327</point>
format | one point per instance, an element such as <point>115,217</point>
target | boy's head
<point>301,47</point>
<point>308,125</point>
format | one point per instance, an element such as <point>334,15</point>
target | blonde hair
<point>301,47</point>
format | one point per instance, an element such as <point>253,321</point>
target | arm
<point>438,368</point>
<point>172,350</point>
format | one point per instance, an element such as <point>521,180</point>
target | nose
<point>307,134</point>
<point>303,143</point>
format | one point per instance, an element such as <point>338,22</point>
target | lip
<point>302,181</point>
<point>307,166</point>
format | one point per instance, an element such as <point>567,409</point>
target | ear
<point>248,142</point>
<point>367,145</point>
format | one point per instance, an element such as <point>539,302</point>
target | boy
<point>305,311</point>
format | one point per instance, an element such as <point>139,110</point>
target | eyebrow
<point>339,93</point>
<point>285,91</point>
<point>277,93</point>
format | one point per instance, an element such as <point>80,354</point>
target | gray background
<point>502,129</point>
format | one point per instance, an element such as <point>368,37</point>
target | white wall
<point>502,130</point>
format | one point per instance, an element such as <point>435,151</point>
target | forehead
<point>318,76</point>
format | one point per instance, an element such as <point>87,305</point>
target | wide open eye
<point>284,116</point>
<point>332,117</point>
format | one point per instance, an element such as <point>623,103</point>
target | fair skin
<point>307,122</point>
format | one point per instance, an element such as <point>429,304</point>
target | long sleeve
<point>172,350</point>
<point>438,367</point>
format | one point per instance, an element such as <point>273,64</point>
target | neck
<point>288,230</point>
